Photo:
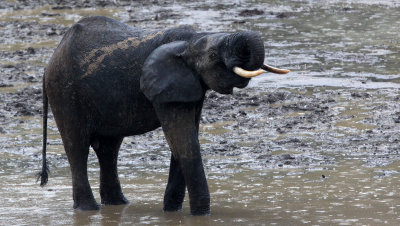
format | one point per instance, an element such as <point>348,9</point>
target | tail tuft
<point>43,176</point>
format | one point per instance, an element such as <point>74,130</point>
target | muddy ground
<point>337,103</point>
<point>255,121</point>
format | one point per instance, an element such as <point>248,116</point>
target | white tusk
<point>247,74</point>
<point>274,69</point>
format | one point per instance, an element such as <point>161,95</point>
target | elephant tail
<point>44,174</point>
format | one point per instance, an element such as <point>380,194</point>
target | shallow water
<point>335,48</point>
<point>345,194</point>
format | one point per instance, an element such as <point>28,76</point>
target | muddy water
<point>345,194</point>
<point>318,146</point>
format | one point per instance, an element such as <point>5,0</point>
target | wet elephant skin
<point>107,80</point>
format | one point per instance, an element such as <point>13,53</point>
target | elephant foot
<point>173,203</point>
<point>121,200</point>
<point>172,207</point>
<point>200,211</point>
<point>200,207</point>
<point>89,206</point>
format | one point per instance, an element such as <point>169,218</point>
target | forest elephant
<point>107,80</point>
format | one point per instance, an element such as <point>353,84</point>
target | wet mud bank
<point>333,120</point>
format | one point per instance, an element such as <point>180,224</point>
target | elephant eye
<point>213,56</point>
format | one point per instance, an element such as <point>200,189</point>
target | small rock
<point>346,9</point>
<point>286,157</point>
<point>59,7</point>
<point>30,50</point>
<point>287,162</point>
<point>239,22</point>
<point>8,66</point>
<point>251,12</point>
<point>282,15</point>
<point>50,14</point>
<point>19,53</point>
<point>2,85</point>
<point>263,156</point>
<point>360,95</point>
<point>281,131</point>
<point>51,32</point>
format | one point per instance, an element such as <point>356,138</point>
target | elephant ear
<point>167,78</point>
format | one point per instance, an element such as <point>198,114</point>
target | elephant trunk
<point>245,55</point>
<point>245,50</point>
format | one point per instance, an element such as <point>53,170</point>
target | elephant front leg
<point>196,183</point>
<point>176,187</point>
<point>179,125</point>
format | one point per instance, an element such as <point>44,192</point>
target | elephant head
<point>181,71</point>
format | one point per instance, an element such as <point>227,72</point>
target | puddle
<point>216,128</point>
<point>23,46</point>
<point>46,15</point>
<point>355,114</point>
<point>355,124</point>
<point>12,88</point>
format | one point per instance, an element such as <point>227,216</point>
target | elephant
<point>107,80</point>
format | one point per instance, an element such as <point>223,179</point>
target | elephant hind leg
<point>106,149</point>
<point>76,144</point>
<point>77,152</point>
<point>75,131</point>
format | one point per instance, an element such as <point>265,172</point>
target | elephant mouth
<point>250,74</point>
<point>243,84</point>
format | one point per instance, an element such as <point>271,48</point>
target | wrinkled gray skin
<point>107,80</point>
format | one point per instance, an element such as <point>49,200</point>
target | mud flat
<point>320,145</point>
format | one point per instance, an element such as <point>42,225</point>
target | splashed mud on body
<point>96,56</point>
